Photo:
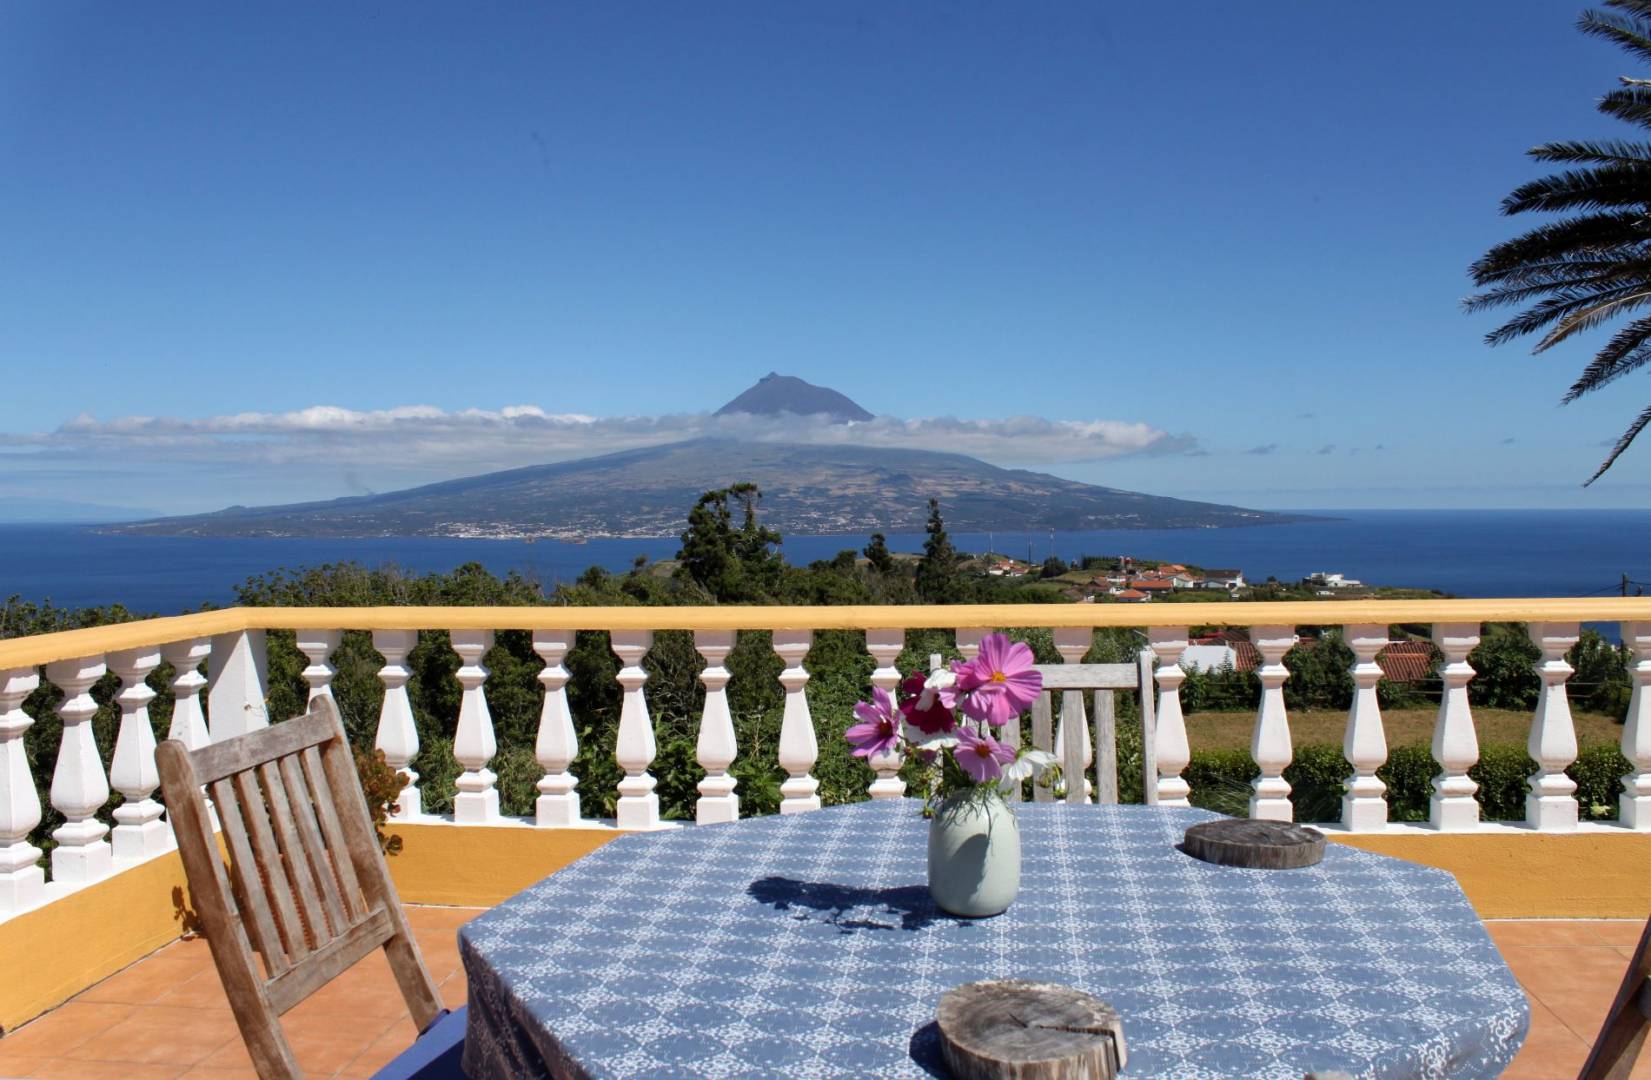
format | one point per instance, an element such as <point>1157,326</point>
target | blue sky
<point>1238,231</point>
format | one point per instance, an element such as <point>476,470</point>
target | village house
<point>1226,580</point>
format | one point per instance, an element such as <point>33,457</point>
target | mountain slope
<point>807,489</point>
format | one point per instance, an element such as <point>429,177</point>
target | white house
<point>1227,580</point>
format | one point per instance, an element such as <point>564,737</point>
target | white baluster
<point>1170,739</point>
<point>557,744</point>
<point>638,805</point>
<point>1551,805</point>
<point>139,831</point>
<point>1072,642</point>
<point>884,647</point>
<point>798,748</point>
<point>716,748</point>
<point>477,801</point>
<point>318,647</point>
<point>1452,808</point>
<point>1270,745</point>
<point>1364,806</point>
<point>79,786</point>
<point>397,734</point>
<point>235,684</point>
<point>1635,801</point>
<point>188,721</point>
<point>968,641</point>
<point>22,882</point>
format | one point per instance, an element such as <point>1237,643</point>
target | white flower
<point>1030,763</point>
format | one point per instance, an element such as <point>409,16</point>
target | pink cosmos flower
<point>999,682</point>
<point>923,709</point>
<point>878,731</point>
<point>982,756</point>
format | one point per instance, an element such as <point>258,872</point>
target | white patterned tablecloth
<point>807,946</point>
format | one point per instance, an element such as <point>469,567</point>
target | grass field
<point>1231,730</point>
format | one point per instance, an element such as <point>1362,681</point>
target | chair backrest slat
<point>337,847</point>
<point>276,888</point>
<point>292,852</point>
<point>310,843</point>
<point>243,862</point>
<point>311,891</point>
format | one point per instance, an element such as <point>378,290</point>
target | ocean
<point>1474,553</point>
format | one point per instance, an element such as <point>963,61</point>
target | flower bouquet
<point>948,721</point>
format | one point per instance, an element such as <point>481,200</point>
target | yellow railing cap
<point>26,652</point>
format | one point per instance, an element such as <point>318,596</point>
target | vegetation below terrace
<point>722,562</point>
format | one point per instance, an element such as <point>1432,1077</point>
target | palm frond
<point>1600,188</point>
<point>1576,268</point>
<point>1634,429</point>
<point>1597,234</point>
<point>1563,304</point>
<point>1632,31</point>
<point>1630,103</point>
<point>1612,152</point>
<point>1518,292</point>
<point>1591,316</point>
<point>1628,350</point>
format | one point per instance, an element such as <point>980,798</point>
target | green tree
<point>1593,266</point>
<point>878,554</point>
<point>732,565</point>
<point>1052,567</point>
<point>938,581</point>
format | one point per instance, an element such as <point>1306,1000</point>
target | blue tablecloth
<point>807,946</point>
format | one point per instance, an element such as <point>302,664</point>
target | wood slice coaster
<point>1258,845</point>
<point>1010,1028</point>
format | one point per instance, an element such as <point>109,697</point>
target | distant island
<point>808,489</point>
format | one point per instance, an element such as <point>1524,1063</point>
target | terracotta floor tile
<point>1550,1049</point>
<point>204,991</point>
<point>109,1070</point>
<point>450,918</point>
<point>325,1052</point>
<point>1527,932</point>
<point>18,1067</point>
<point>63,1029</point>
<point>381,1051</point>
<point>161,1033</point>
<point>211,1072</point>
<point>1619,931</point>
<point>144,981</point>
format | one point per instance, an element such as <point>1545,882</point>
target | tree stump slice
<point>1012,1029</point>
<point>1256,845</point>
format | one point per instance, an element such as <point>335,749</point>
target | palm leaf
<point>1631,103</point>
<point>1588,234</point>
<point>1634,429</point>
<point>1632,32</point>
<point>1629,349</point>
<point>1600,188</point>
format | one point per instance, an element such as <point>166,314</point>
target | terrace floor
<point>166,1016</point>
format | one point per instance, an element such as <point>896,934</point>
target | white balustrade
<point>1635,801</point>
<point>139,831</point>
<point>1452,807</point>
<point>1270,745</point>
<point>22,881</point>
<point>188,721</point>
<point>318,647</point>
<point>884,647</point>
<point>798,748</point>
<point>236,678</point>
<point>1364,806</point>
<point>397,734</point>
<point>1551,805</point>
<point>1073,642</point>
<point>79,786</point>
<point>638,806</point>
<point>968,640</point>
<point>1170,737</point>
<point>557,744</point>
<point>716,748</point>
<point>477,801</point>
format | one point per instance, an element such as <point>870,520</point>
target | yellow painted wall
<point>477,866</point>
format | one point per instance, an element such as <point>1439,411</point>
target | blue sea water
<point>1474,553</point>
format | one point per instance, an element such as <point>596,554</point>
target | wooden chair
<point>1622,1035</point>
<point>306,887</point>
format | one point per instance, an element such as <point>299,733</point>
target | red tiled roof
<point>1131,594</point>
<point>1158,584</point>
<point>1406,661</point>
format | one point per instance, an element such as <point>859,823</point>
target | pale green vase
<point>974,855</point>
